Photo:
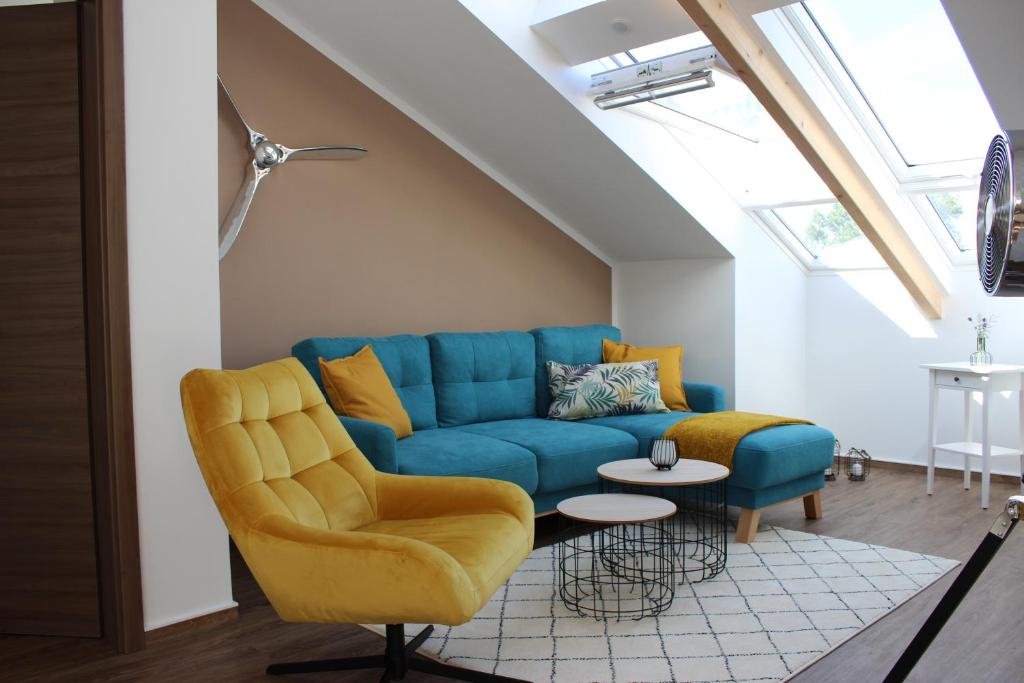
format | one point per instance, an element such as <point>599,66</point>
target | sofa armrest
<point>377,442</point>
<point>704,398</point>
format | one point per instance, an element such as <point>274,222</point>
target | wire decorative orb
<point>663,453</point>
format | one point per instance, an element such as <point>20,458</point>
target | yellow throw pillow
<point>670,367</point>
<point>357,386</point>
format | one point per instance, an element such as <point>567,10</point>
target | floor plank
<point>890,508</point>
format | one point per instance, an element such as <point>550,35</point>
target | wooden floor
<point>980,644</point>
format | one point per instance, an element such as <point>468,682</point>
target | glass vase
<point>981,356</point>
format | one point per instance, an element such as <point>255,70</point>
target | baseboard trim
<point>939,471</point>
<point>224,616</point>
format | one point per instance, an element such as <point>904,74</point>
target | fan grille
<point>997,193</point>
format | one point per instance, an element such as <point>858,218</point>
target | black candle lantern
<point>663,453</point>
<point>830,471</point>
<point>856,464</point>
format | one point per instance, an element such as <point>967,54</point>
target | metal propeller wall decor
<point>267,155</point>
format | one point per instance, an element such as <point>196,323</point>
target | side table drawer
<point>971,381</point>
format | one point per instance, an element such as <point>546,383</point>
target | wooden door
<point>48,557</point>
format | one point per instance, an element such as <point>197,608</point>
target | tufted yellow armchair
<point>330,539</point>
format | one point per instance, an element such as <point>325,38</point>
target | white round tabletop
<point>641,471</point>
<point>616,508</point>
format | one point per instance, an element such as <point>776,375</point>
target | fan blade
<point>322,153</point>
<point>232,224</point>
<point>254,135</point>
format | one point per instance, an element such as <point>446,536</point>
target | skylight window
<point>828,234</point>
<point>956,211</point>
<point>729,106</point>
<point>907,63</point>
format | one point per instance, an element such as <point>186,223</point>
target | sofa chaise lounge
<point>478,401</point>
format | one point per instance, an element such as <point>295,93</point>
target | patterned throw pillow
<point>582,391</point>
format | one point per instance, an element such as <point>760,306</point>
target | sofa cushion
<point>582,391</point>
<point>449,452</point>
<point>765,458</point>
<point>357,386</point>
<point>568,453</point>
<point>642,427</point>
<point>405,358</point>
<point>568,345</point>
<point>781,454</point>
<point>482,376</point>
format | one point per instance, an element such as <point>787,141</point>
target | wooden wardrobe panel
<point>48,572</point>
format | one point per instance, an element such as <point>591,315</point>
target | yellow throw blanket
<point>714,436</point>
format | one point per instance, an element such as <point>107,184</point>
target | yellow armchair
<point>328,538</point>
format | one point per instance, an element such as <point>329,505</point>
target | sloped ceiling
<point>435,61</point>
<point>992,33</point>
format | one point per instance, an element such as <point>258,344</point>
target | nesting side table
<point>624,567</point>
<point>985,380</point>
<point>698,489</point>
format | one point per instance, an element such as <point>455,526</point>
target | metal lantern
<point>663,453</point>
<point>856,464</point>
<point>830,471</point>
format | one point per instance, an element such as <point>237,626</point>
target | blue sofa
<point>478,401</point>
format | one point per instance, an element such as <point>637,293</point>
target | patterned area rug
<point>781,603</point>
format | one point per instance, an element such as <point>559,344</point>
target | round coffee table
<point>698,489</point>
<point>616,558</point>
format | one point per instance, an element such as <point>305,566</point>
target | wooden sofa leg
<point>746,528</point>
<point>812,505</point>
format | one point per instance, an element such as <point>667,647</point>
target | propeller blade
<point>232,224</point>
<point>255,136</point>
<point>340,153</point>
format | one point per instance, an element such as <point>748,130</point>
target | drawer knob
<point>956,379</point>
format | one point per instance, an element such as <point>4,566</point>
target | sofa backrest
<point>571,345</point>
<point>406,360</point>
<point>482,376</point>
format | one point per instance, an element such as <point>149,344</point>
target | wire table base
<point>625,571</point>
<point>699,529</point>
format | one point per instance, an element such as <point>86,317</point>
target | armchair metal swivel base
<point>396,661</point>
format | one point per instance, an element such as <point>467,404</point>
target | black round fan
<point>1001,216</point>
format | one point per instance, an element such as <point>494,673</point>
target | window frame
<point>919,199</point>
<point>912,182</point>
<point>769,218</point>
<point>810,34</point>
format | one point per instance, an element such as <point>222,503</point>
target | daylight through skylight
<point>908,64</point>
<point>897,68</point>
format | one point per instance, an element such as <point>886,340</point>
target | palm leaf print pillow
<point>582,391</point>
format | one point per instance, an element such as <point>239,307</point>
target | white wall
<point>742,320</point>
<point>684,301</point>
<point>170,54</point>
<point>771,291</point>
<point>865,341</point>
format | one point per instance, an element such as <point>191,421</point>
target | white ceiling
<point>443,67</point>
<point>584,31</point>
<point>992,33</point>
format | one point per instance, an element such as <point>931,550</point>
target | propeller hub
<point>267,154</point>
<point>990,214</point>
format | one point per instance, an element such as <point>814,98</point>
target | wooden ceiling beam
<point>771,81</point>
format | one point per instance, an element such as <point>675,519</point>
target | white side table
<point>970,379</point>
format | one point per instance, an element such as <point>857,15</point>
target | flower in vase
<point>982,323</point>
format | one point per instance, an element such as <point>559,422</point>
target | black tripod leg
<point>961,586</point>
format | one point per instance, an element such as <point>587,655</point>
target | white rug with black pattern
<point>780,604</point>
